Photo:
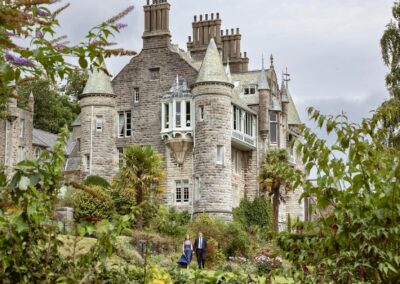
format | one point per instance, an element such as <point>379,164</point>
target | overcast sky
<point>331,47</point>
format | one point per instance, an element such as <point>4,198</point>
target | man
<point>200,248</point>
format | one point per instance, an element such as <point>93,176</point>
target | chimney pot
<point>206,17</point>
<point>227,32</point>
<point>201,18</point>
<point>217,15</point>
<point>232,31</point>
<point>148,2</point>
<point>237,31</point>
<point>195,18</point>
<point>222,32</point>
<point>190,39</point>
<point>245,54</point>
<point>212,16</point>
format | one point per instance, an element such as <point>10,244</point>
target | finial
<point>262,61</point>
<point>272,61</point>
<point>286,77</point>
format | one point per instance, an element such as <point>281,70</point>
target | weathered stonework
<point>143,87</point>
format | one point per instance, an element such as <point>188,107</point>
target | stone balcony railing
<point>243,141</point>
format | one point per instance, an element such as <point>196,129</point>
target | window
<point>166,115</point>
<point>201,112</point>
<point>21,153</point>
<point>136,95</point>
<point>121,157</point>
<point>235,121</point>
<point>125,124</point>
<point>78,142</point>
<point>250,90</point>
<point>154,73</point>
<point>22,128</point>
<point>236,162</point>
<point>38,151</point>
<point>99,123</point>
<point>274,128</point>
<point>182,191</point>
<point>87,162</point>
<point>178,191</point>
<point>178,114</point>
<point>188,118</point>
<point>220,154</point>
<point>185,191</point>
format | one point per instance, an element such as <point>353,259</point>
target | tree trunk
<point>275,207</point>
<point>139,200</point>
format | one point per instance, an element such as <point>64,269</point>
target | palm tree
<point>275,177</point>
<point>141,175</point>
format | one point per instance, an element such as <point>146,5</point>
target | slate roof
<point>212,69</point>
<point>77,121</point>
<point>44,139</point>
<point>293,115</point>
<point>98,83</point>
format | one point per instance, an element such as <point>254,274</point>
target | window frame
<point>220,155</point>
<point>178,191</point>
<point>99,123</point>
<point>274,124</point>
<point>201,113</point>
<point>152,71</point>
<point>87,162</point>
<point>136,95</point>
<point>21,128</point>
<point>127,117</point>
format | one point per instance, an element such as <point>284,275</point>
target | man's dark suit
<point>200,249</point>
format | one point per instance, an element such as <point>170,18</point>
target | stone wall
<point>216,187</point>
<point>104,152</point>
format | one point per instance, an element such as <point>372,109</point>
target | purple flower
<point>121,25</point>
<point>39,34</point>
<point>42,13</point>
<point>12,58</point>
<point>10,33</point>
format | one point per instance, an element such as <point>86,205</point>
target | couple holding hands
<point>199,248</point>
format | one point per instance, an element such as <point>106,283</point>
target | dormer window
<point>250,90</point>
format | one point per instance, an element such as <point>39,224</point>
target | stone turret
<point>99,154</point>
<point>264,94</point>
<point>212,96</point>
<point>156,22</point>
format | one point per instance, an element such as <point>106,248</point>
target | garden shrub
<point>254,213</point>
<point>236,241</point>
<point>96,181</point>
<point>92,205</point>
<point>171,222</point>
<point>157,244</point>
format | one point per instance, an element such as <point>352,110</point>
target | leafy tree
<point>358,179</point>
<point>96,181</point>
<point>142,174</point>
<point>33,50</point>
<point>52,110</point>
<point>275,177</point>
<point>389,112</point>
<point>75,83</point>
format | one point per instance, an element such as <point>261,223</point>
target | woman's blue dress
<point>186,258</point>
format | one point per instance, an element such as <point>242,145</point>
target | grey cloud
<point>331,47</point>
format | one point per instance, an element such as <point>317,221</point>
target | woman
<point>187,248</point>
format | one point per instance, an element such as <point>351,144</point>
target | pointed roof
<point>263,82</point>
<point>212,69</point>
<point>284,93</point>
<point>98,82</point>
<point>293,115</point>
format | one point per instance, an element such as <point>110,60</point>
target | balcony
<point>243,141</point>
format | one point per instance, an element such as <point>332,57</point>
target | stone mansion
<point>211,117</point>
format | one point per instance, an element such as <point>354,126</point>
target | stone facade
<point>209,116</point>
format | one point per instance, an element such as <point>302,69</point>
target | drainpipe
<point>257,158</point>
<point>193,123</point>
<point>91,142</point>
<point>6,144</point>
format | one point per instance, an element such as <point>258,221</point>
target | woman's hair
<point>187,237</point>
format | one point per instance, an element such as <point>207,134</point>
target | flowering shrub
<point>266,264</point>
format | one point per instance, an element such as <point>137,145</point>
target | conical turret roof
<point>212,69</point>
<point>98,82</point>
<point>263,83</point>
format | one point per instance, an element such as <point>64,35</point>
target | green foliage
<point>141,175</point>
<point>94,205</point>
<point>171,222</point>
<point>389,112</point>
<point>230,238</point>
<point>52,110</point>
<point>96,181</point>
<point>358,180</point>
<point>76,83</point>
<point>276,175</point>
<point>254,213</point>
